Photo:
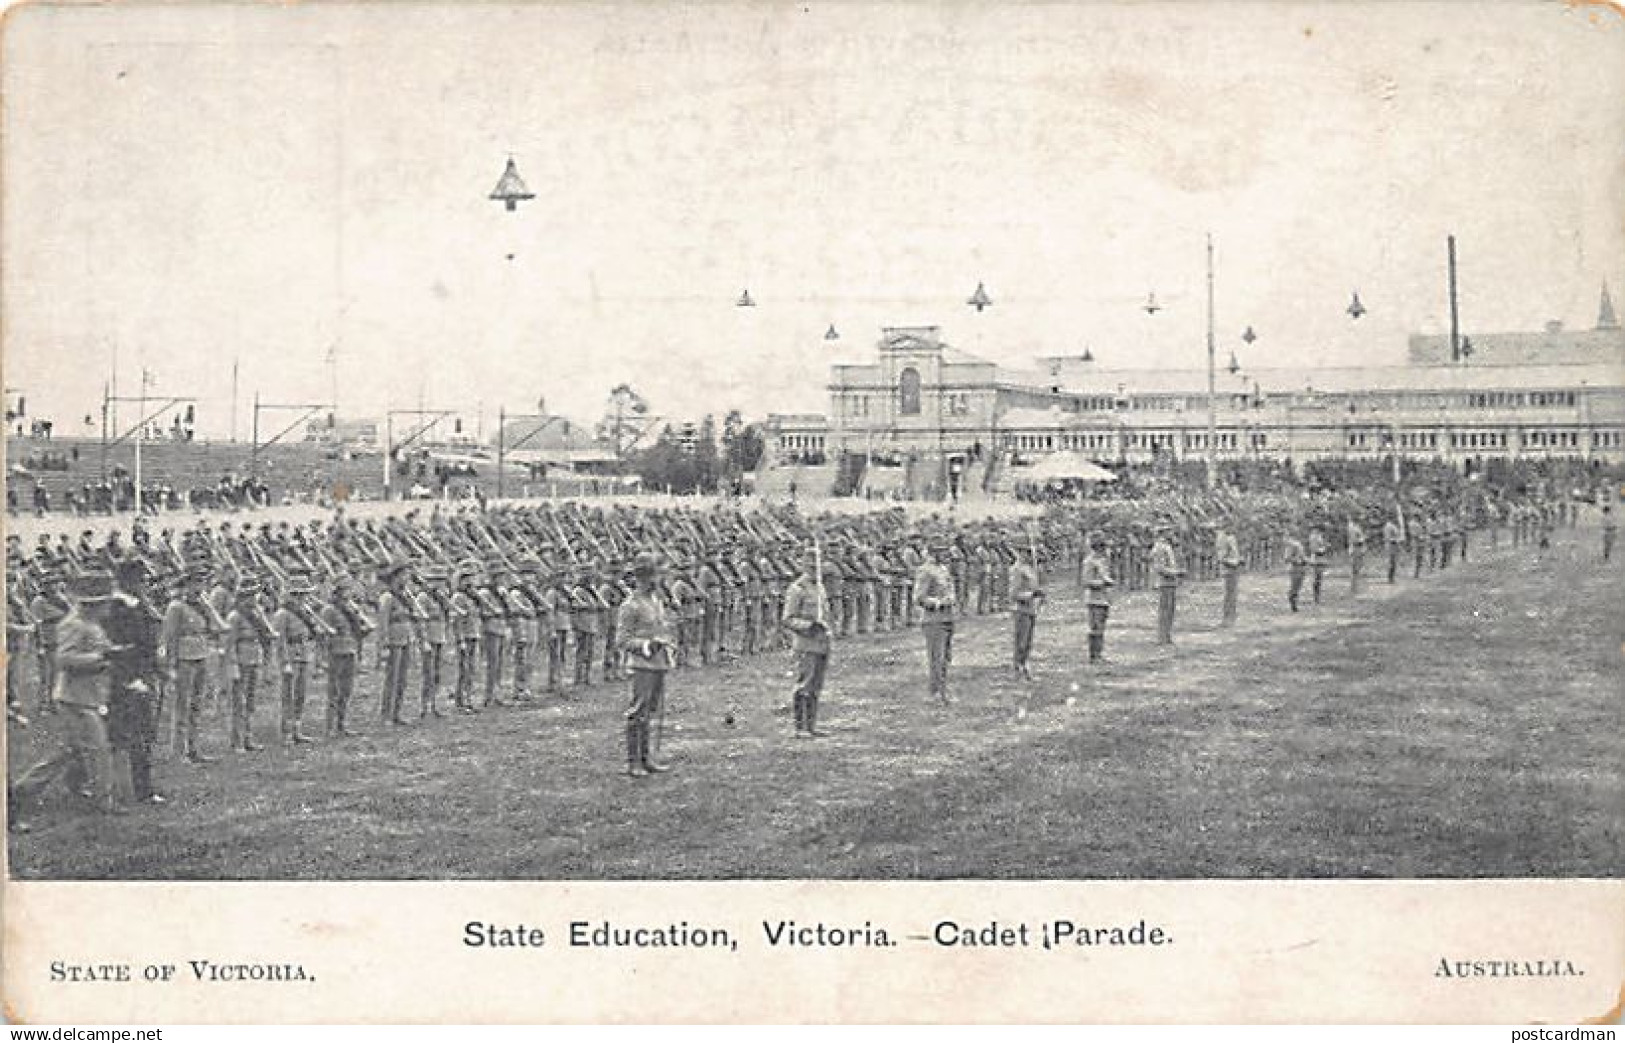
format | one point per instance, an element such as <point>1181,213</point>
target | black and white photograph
<point>835,442</point>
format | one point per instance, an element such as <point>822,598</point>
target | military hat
<point>299,585</point>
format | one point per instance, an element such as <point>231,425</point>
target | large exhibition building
<point>924,415</point>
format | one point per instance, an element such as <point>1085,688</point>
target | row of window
<point>1485,440</point>
<point>809,443</point>
<point>954,403</point>
<point>1515,399</point>
<point>909,397</point>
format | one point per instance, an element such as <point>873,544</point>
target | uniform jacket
<point>803,608</point>
<point>82,651</point>
<point>465,616</point>
<point>47,614</point>
<point>185,634</point>
<point>1165,563</point>
<point>934,593</point>
<point>244,642</point>
<point>344,640</point>
<point>646,631</point>
<point>1097,578</point>
<point>1025,590</point>
<point>395,622</point>
<point>293,637</point>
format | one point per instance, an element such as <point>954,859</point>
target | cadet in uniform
<point>1296,560</point>
<point>1228,554</point>
<point>465,622</point>
<point>610,595</point>
<point>558,647</point>
<point>48,609</point>
<point>935,597</point>
<point>1026,594</point>
<point>522,633</point>
<point>804,616</point>
<point>396,627</point>
<point>1610,529</point>
<point>493,634</point>
<point>648,640</point>
<point>1095,573</point>
<point>133,696</point>
<point>1393,539</point>
<point>248,639</point>
<point>1356,545</point>
<point>82,672</point>
<point>584,610</point>
<point>1165,564</point>
<point>19,625</point>
<point>346,632</point>
<point>434,630</point>
<point>1317,562</point>
<point>183,645</point>
<point>295,638</point>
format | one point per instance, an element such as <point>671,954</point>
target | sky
<point>198,190</point>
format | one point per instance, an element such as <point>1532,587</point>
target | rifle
<point>818,578</point>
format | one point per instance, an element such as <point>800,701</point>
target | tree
<point>706,459</point>
<point>626,422</point>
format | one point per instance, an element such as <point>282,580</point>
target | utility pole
<point>138,430</point>
<point>1455,324</point>
<point>434,417</point>
<point>503,416</point>
<point>1212,401</point>
<point>140,437</point>
<point>306,410</point>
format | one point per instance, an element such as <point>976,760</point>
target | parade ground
<point>1466,724</point>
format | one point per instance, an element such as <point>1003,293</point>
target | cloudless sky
<point>188,187</point>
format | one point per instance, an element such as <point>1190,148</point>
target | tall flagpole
<point>1455,325</point>
<point>1212,401</point>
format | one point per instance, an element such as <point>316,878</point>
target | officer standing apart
<point>133,699</point>
<point>1165,564</point>
<point>1026,594</point>
<point>82,675</point>
<point>934,596</point>
<point>648,639</point>
<point>1356,545</point>
<point>1296,561</point>
<point>1096,575</point>
<point>1317,562</point>
<point>1393,539</point>
<point>1228,554</point>
<point>804,609</point>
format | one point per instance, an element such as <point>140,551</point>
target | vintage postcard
<point>832,512</point>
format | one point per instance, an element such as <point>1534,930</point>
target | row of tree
<point>685,457</point>
<point>689,458</point>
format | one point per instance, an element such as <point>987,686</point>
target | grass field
<point>1468,724</point>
